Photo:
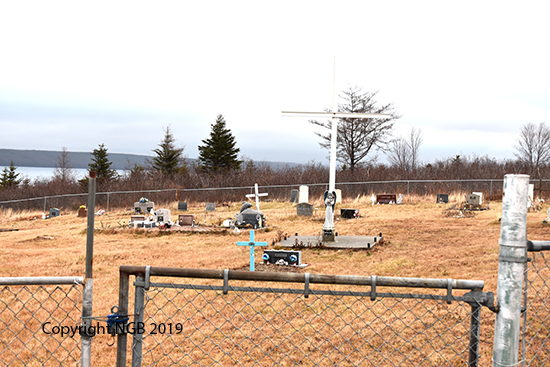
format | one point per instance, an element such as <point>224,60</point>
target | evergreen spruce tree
<point>219,153</point>
<point>9,177</point>
<point>169,159</point>
<point>101,165</point>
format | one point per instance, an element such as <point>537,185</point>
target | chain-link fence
<point>338,324</point>
<point>536,316</point>
<point>489,187</point>
<point>37,320</point>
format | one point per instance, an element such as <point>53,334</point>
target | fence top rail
<point>264,186</point>
<point>41,280</point>
<point>476,285</point>
<point>538,246</point>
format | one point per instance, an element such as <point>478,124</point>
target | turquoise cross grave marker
<point>252,245</point>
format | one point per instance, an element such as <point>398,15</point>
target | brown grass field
<point>421,240</point>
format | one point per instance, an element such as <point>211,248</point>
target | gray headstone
<point>182,206</point>
<point>210,207</point>
<point>442,198</point>
<point>54,212</point>
<point>304,209</point>
<point>294,196</point>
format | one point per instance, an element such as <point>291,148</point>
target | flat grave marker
<point>386,199</point>
<point>186,220</point>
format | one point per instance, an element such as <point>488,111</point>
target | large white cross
<point>329,217</point>
<point>257,196</point>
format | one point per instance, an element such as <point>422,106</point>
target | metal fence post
<point>122,338</point>
<point>475,324</point>
<point>138,322</point>
<point>87,297</point>
<point>512,258</point>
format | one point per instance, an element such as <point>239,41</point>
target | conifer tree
<point>169,159</point>
<point>9,177</point>
<point>219,153</point>
<point>101,164</point>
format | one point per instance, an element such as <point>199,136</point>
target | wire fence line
<point>36,315</point>
<point>489,188</point>
<point>330,320</point>
<point>535,346</point>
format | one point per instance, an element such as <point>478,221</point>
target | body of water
<point>46,173</point>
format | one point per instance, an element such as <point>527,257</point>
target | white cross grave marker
<point>330,195</point>
<point>257,196</point>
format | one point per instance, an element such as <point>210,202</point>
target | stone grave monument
<point>163,216</point>
<point>338,196</point>
<point>304,209</point>
<point>303,195</point>
<point>480,194</point>
<point>249,216</point>
<point>182,206</point>
<point>442,198</point>
<point>186,220</point>
<point>386,199</point>
<point>293,196</point>
<point>473,199</point>
<point>82,212</point>
<point>349,213</point>
<point>54,212</point>
<point>143,206</point>
<point>282,257</point>
<point>210,207</point>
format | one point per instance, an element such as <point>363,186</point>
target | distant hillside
<point>48,158</point>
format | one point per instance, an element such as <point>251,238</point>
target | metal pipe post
<point>512,259</point>
<point>122,339</point>
<point>139,306</point>
<point>87,297</point>
<point>86,336</point>
<point>475,322</point>
<point>90,226</point>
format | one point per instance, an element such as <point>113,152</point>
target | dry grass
<point>420,241</point>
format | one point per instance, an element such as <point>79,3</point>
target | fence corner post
<point>512,258</point>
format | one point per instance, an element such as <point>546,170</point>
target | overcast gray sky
<point>469,74</point>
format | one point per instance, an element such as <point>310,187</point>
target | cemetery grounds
<point>422,239</point>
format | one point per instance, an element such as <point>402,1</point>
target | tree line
<point>359,141</point>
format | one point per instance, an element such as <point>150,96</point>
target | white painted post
<point>512,259</point>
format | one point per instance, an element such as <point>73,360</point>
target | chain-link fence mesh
<point>536,318</point>
<point>30,320</point>
<point>117,199</point>
<point>200,325</point>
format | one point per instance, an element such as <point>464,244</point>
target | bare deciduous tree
<point>533,146</point>
<point>403,153</point>
<point>357,137</point>
<point>64,172</point>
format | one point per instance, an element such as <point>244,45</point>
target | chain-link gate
<point>536,315</point>
<point>252,322</point>
<point>35,319</point>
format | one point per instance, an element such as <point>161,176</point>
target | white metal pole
<point>333,136</point>
<point>512,259</point>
